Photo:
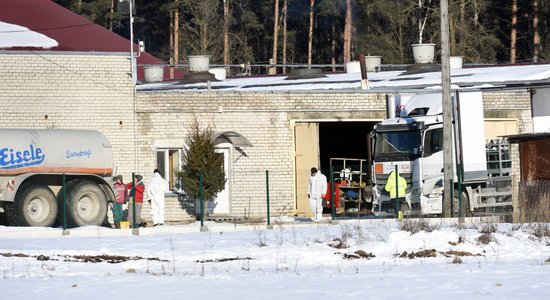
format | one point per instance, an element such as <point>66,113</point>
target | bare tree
<point>479,44</point>
<point>536,36</point>
<point>461,41</point>
<point>171,35</point>
<point>513,32</point>
<point>275,34</point>
<point>333,46</point>
<point>111,16</point>
<point>285,28</point>
<point>424,9</point>
<point>203,28</point>
<point>176,33</point>
<point>310,35</point>
<point>226,20</point>
<point>347,33</point>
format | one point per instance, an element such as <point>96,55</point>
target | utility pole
<point>447,110</point>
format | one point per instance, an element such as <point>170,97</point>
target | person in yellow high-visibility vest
<point>396,191</point>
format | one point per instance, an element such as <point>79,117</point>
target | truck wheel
<point>465,203</point>
<point>86,204</point>
<point>35,205</point>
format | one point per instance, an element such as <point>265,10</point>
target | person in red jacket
<point>121,194</point>
<point>136,190</point>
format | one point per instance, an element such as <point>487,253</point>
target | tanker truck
<point>34,164</point>
<point>413,143</point>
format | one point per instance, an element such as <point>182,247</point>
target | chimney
<point>364,78</point>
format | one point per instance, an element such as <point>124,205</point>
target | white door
<point>220,204</point>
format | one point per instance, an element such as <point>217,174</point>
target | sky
<point>297,259</point>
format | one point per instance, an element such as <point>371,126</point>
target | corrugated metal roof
<point>516,138</point>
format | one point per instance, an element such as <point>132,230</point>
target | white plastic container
<point>455,62</point>
<point>423,53</point>
<point>153,73</point>
<point>198,63</point>
<point>373,63</point>
<point>353,67</point>
<point>219,73</point>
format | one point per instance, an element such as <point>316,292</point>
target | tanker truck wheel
<point>35,205</point>
<point>86,204</point>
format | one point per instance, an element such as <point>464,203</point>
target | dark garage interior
<point>344,140</point>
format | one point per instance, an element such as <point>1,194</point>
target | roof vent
<point>373,63</point>
<point>198,63</point>
<point>455,62</point>
<point>353,67</point>
<point>153,73</point>
<point>423,53</point>
<point>198,70</point>
<point>219,73</point>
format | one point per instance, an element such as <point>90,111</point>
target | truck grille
<point>382,179</point>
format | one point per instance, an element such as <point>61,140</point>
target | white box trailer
<point>33,164</point>
<point>413,142</point>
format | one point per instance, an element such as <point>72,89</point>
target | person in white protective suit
<point>155,192</point>
<point>316,191</point>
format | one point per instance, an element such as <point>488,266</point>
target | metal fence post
<point>201,200</point>
<point>332,192</point>
<point>64,196</point>
<point>396,192</point>
<point>134,201</point>
<point>267,196</point>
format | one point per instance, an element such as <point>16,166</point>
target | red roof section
<point>72,31</point>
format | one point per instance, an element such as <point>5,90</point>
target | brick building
<point>290,124</point>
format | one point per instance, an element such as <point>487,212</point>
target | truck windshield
<point>397,145</point>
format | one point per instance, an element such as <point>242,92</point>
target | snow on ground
<point>351,259</point>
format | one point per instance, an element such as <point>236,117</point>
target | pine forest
<point>327,32</point>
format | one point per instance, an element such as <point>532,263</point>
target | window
<point>433,141</point>
<point>168,163</point>
<point>397,144</point>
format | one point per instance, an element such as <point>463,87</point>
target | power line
<point>48,28</point>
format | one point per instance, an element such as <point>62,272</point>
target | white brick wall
<point>95,92</point>
<point>53,90</point>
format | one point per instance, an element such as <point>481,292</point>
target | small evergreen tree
<point>199,158</point>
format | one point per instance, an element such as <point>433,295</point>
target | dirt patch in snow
<point>223,259</point>
<point>359,254</point>
<point>422,253</point>
<point>460,253</point>
<point>112,259</point>
<point>433,253</point>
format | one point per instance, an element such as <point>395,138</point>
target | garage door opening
<point>343,139</point>
<point>317,142</point>
<point>346,143</point>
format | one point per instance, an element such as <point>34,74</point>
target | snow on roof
<point>18,36</point>
<point>466,78</point>
<point>40,20</point>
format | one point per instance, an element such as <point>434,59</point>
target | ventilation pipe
<point>364,78</point>
<point>390,106</point>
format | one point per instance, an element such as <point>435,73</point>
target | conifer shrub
<point>200,157</point>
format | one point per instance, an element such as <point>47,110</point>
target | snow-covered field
<point>353,259</point>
